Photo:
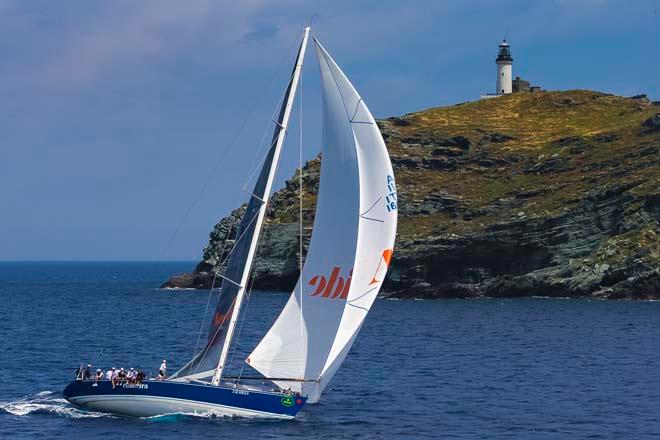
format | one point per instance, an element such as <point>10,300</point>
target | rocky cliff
<point>551,194</point>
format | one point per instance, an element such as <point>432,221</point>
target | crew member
<point>162,371</point>
<point>87,373</point>
<point>115,377</point>
<point>131,375</point>
<point>121,375</point>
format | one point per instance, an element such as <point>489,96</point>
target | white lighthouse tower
<point>504,62</point>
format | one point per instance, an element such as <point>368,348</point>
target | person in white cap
<point>162,371</point>
<point>130,376</point>
<point>109,373</point>
<point>99,375</point>
<point>115,377</point>
<point>87,372</point>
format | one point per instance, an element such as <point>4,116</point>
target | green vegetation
<point>578,140</point>
<point>553,193</point>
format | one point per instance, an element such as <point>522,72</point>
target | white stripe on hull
<point>150,406</point>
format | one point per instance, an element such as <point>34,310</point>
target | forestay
<point>350,249</point>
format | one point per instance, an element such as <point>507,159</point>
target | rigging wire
<point>225,153</point>
<point>208,302</point>
<point>255,166</point>
<point>250,285</point>
<point>248,295</point>
<point>216,270</point>
<point>243,312</point>
<point>222,262</point>
<point>300,208</point>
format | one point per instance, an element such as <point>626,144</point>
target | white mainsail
<point>350,249</point>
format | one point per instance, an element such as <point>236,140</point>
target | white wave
<point>41,403</point>
<point>44,393</point>
<point>201,415</point>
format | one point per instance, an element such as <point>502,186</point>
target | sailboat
<point>348,256</point>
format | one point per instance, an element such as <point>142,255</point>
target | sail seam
<point>358,307</point>
<point>372,219</point>
<point>373,205</point>
<point>357,107</point>
<point>361,296</point>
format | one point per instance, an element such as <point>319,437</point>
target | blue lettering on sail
<point>390,198</point>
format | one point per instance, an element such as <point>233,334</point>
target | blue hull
<point>153,398</point>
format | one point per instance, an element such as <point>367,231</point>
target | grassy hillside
<point>554,146</point>
<point>554,193</point>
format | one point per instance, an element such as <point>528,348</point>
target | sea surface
<point>519,368</point>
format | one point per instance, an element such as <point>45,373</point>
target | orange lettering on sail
<point>321,284</point>
<point>331,282</point>
<point>335,286</point>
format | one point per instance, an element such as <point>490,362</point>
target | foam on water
<point>177,416</point>
<point>49,402</point>
<point>46,402</point>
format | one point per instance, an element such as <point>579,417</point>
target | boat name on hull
<point>141,386</point>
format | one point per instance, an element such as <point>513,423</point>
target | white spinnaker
<point>350,250</point>
<point>378,218</point>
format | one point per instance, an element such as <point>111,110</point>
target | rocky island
<point>538,194</point>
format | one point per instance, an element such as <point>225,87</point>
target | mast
<point>279,136</point>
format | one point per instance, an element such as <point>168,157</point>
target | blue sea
<point>515,368</point>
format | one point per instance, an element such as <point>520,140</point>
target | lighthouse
<point>504,62</point>
<point>505,82</point>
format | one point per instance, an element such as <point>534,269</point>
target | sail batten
<point>349,252</point>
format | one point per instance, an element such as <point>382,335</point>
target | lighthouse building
<point>504,63</point>
<point>505,83</point>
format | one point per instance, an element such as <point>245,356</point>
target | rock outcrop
<point>549,194</point>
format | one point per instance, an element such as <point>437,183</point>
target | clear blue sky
<point>114,114</point>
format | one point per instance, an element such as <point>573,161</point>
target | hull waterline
<point>154,398</point>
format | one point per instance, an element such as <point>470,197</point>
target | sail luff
<point>279,137</point>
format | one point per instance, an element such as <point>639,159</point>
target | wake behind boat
<point>348,257</point>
